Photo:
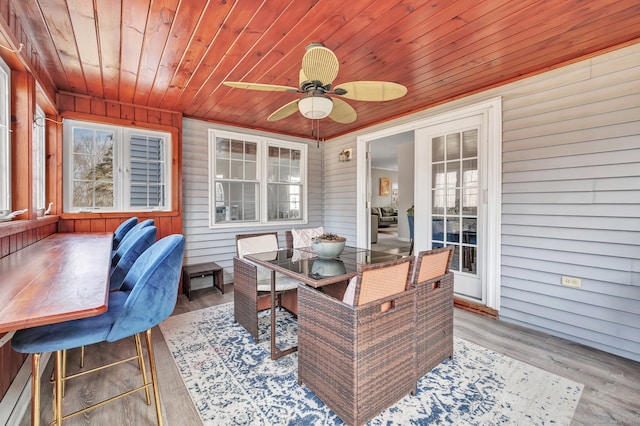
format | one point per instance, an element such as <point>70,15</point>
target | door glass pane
<point>437,228</point>
<point>453,146</point>
<point>437,206</point>
<point>470,143</point>
<point>470,187</point>
<point>453,230</point>
<point>469,247</point>
<point>437,149</point>
<point>455,197</point>
<point>455,258</point>
<point>438,177</point>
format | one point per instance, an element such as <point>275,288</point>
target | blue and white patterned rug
<point>231,380</point>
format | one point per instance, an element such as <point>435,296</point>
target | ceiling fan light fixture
<point>315,107</point>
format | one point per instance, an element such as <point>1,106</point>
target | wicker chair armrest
<point>245,276</point>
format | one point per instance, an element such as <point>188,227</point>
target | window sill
<point>15,226</point>
<point>108,215</point>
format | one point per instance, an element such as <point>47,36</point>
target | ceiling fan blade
<point>320,64</point>
<point>284,111</point>
<point>259,86</point>
<point>342,112</point>
<point>372,90</point>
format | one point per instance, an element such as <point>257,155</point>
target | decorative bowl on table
<point>328,246</point>
<point>328,268</point>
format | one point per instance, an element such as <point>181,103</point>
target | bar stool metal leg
<point>142,367</point>
<point>35,389</point>
<point>58,388</point>
<point>154,376</point>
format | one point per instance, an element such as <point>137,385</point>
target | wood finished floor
<point>611,394</point>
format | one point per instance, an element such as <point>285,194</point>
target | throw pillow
<point>302,237</point>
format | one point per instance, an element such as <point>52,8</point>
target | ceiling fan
<point>319,69</point>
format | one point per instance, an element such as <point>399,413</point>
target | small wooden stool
<point>201,270</point>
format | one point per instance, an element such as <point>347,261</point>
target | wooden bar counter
<point>62,277</point>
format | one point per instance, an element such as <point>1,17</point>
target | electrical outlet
<point>572,282</point>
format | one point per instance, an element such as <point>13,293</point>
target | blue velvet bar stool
<point>136,243</point>
<point>137,227</point>
<point>148,297</point>
<point>130,249</point>
<point>146,222</point>
<point>122,230</point>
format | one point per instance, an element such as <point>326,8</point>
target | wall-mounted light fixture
<point>345,155</point>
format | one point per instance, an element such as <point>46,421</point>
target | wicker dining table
<point>303,264</point>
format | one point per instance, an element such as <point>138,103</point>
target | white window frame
<point>5,138</point>
<point>39,159</point>
<point>121,167</point>
<point>263,144</point>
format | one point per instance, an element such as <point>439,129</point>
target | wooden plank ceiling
<point>175,54</point>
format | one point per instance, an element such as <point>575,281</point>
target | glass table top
<point>303,262</point>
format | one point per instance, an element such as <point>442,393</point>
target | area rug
<point>232,380</point>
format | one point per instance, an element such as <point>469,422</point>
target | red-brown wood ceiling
<point>175,54</point>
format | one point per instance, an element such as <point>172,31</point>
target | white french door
<point>457,192</point>
<point>454,199</point>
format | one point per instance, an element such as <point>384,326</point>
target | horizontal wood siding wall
<point>571,202</point>
<point>204,244</point>
<point>340,189</point>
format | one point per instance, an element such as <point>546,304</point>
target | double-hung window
<point>256,180</point>
<point>5,137</point>
<point>112,168</point>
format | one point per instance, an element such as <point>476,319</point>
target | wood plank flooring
<point>611,394</point>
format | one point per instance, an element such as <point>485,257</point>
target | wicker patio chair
<point>359,358</point>
<point>434,308</point>
<point>252,284</point>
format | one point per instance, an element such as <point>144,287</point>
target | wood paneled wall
<point>111,112</point>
